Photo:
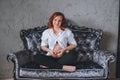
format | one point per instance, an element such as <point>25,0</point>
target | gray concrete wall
<point>23,14</point>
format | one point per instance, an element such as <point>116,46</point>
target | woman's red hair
<point>64,22</point>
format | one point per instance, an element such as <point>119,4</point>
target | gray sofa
<point>93,62</point>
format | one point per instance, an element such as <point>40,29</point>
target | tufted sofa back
<point>88,40</point>
<point>32,39</point>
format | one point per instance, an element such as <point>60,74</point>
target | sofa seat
<point>86,70</point>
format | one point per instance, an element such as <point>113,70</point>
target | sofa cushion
<point>31,65</point>
<point>80,65</point>
<point>86,70</point>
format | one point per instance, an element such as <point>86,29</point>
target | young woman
<point>58,41</point>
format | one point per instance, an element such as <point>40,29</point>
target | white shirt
<point>49,38</point>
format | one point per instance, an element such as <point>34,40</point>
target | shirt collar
<point>51,30</point>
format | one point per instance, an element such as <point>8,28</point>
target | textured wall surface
<point>23,14</point>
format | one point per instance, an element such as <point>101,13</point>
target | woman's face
<point>57,21</point>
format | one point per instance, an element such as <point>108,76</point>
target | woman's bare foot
<point>69,68</point>
<point>42,66</point>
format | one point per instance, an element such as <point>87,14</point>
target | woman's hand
<point>52,53</point>
<point>60,53</point>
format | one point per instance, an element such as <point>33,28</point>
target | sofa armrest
<point>19,58</point>
<point>103,57</point>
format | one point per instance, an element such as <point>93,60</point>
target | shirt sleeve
<point>44,39</point>
<point>71,39</point>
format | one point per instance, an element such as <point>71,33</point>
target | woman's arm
<point>44,48</point>
<point>70,47</point>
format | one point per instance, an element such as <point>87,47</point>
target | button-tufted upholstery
<point>92,62</point>
<point>32,39</point>
<point>88,40</point>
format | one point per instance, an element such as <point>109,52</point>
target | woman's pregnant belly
<point>57,48</point>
